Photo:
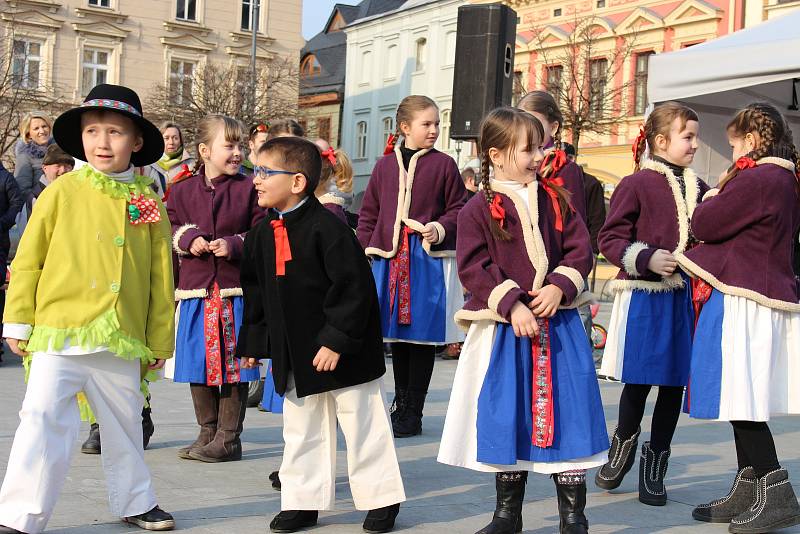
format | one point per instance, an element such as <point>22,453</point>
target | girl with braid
<point>407,225</point>
<point>650,331</point>
<point>525,395</point>
<point>745,363</point>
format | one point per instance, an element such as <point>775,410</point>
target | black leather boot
<point>620,460</point>
<point>652,470</point>
<point>739,499</point>
<point>410,422</point>
<point>92,444</point>
<point>571,493</point>
<point>507,517</point>
<point>398,407</point>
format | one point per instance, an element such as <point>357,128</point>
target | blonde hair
<point>659,122</point>
<point>25,124</point>
<point>208,128</point>
<point>410,106</point>
<point>343,172</point>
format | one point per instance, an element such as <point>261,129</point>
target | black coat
<point>326,298</point>
<point>595,208</point>
<point>11,201</point>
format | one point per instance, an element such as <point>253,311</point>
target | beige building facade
<point>68,46</point>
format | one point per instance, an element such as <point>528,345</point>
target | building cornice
<point>185,25</point>
<point>101,12</point>
<point>102,29</point>
<point>49,5</point>
<point>189,42</point>
<point>35,19</point>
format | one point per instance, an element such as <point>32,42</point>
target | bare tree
<point>227,89</point>
<point>583,69</point>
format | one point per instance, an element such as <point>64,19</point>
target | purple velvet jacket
<point>498,273</point>
<point>747,232</point>
<point>432,191</point>
<point>647,213</point>
<point>335,205</point>
<point>227,210</point>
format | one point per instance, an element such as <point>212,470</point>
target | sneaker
<point>155,519</point>
<point>293,520</point>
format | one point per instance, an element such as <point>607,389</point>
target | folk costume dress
<point>523,403</point>
<point>209,294</point>
<point>650,331</point>
<point>746,357</point>
<point>418,286</point>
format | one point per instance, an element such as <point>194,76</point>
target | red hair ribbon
<point>330,155</point>
<point>638,140</point>
<point>558,158</point>
<point>553,194</point>
<point>745,163</point>
<point>497,211</point>
<point>390,145</point>
<point>283,251</point>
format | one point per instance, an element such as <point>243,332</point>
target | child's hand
<point>662,262</point>
<point>430,233</point>
<point>523,321</point>
<point>158,364</point>
<point>326,359</point>
<point>13,344</point>
<point>199,246</point>
<point>546,300</point>
<point>249,363</point>
<point>219,247</point>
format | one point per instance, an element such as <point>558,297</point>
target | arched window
<point>388,128</point>
<point>310,66</point>
<point>361,140</point>
<point>419,54</point>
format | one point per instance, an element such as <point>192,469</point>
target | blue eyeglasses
<point>266,172</point>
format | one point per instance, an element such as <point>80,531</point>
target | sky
<point>316,13</point>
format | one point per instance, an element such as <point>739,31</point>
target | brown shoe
<point>226,445</point>
<point>206,406</point>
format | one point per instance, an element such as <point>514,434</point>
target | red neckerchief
<point>216,311</point>
<point>400,279</point>
<point>283,251</point>
<point>542,387</point>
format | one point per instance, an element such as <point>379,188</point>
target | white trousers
<point>308,470</point>
<point>48,431</point>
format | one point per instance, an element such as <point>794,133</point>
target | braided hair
<point>410,106</point>
<point>658,123</point>
<point>773,137</point>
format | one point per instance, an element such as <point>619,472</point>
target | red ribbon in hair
<point>638,140</point>
<point>553,194</point>
<point>390,144</point>
<point>330,155</point>
<point>283,251</point>
<point>497,211</point>
<point>558,158</point>
<point>745,163</point>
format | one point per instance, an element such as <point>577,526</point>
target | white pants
<point>308,470</point>
<point>48,432</point>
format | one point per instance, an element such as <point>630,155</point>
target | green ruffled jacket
<point>84,275</point>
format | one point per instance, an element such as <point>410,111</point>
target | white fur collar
<point>685,204</point>
<point>780,162</point>
<point>330,198</point>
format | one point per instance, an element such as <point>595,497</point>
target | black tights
<point>665,415</point>
<point>755,446</point>
<point>413,366</point>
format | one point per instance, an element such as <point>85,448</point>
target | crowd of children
<point>231,261</point>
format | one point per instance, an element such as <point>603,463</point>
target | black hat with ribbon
<point>116,98</point>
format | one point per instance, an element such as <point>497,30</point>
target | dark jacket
<point>11,201</point>
<point>326,298</point>
<point>595,208</point>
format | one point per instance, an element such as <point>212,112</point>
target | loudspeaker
<point>484,67</point>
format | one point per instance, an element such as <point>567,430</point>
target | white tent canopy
<point>721,76</point>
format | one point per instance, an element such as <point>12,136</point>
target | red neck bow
<point>635,147</point>
<point>745,163</point>
<point>556,158</point>
<point>553,194</point>
<point>283,251</point>
<point>330,155</point>
<point>497,211</point>
<point>389,145</point>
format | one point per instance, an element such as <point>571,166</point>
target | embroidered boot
<point>620,460</point>
<point>775,506</point>
<point>148,428</point>
<point>410,422</point>
<point>738,499</point>
<point>652,470</point>
<point>206,407</point>
<point>571,493</point>
<point>507,517</point>
<point>92,444</point>
<point>398,407</point>
<point>226,446</point>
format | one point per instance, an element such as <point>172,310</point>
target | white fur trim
<point>711,193</point>
<point>630,256</point>
<point>573,275</point>
<point>183,294</point>
<point>685,204</point>
<point>698,272</point>
<point>176,238</point>
<point>499,292</point>
<point>440,231</point>
<point>231,292</point>
<point>330,198</point>
<point>670,283</point>
<point>780,162</point>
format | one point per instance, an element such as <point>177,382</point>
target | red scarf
<point>542,387</point>
<point>218,311</point>
<point>283,251</point>
<point>400,279</point>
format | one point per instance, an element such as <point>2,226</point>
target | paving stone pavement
<point>236,497</point>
